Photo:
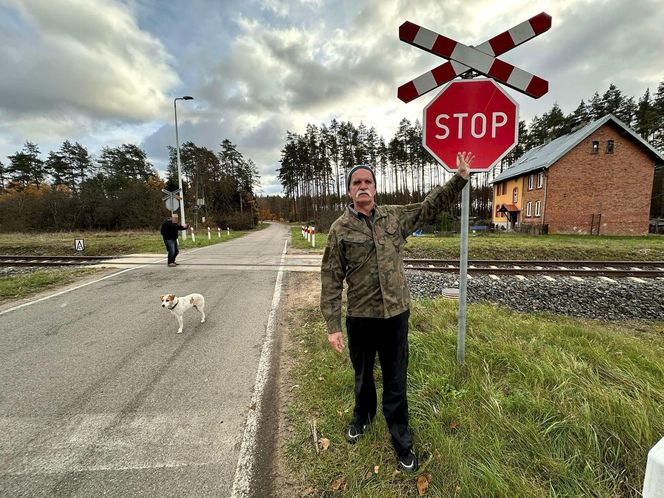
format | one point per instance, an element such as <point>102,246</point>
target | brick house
<point>597,179</point>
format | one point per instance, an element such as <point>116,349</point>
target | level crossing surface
<point>100,396</point>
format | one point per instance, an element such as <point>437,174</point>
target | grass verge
<point>299,242</point>
<point>23,285</point>
<point>544,406</point>
<point>105,243</point>
<point>518,246</point>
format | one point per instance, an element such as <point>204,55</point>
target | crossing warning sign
<point>79,245</point>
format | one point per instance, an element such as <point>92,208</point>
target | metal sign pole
<point>463,273</point>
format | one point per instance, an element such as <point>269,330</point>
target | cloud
<point>83,60</point>
<point>104,71</point>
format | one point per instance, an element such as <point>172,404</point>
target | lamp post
<point>177,149</point>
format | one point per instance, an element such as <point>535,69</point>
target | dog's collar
<point>172,308</point>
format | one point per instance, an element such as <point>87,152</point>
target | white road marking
<point>67,290</point>
<point>134,444</point>
<point>246,460</point>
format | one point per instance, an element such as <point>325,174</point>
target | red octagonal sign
<point>471,116</point>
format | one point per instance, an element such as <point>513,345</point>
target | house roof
<point>545,155</point>
<point>509,207</point>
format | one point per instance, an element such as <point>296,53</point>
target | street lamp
<point>177,148</point>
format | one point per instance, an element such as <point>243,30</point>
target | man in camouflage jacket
<point>364,249</point>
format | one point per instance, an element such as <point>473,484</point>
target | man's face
<point>175,218</point>
<point>362,188</point>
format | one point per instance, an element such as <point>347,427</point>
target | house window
<point>609,146</point>
<point>538,208</point>
<point>595,147</point>
<point>529,209</point>
<point>515,195</point>
<point>531,182</point>
<point>540,179</point>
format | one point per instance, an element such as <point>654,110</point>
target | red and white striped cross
<point>483,58</point>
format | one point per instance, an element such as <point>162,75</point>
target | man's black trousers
<point>389,338</point>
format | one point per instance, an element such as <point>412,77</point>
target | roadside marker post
<point>193,236</point>
<point>208,233</point>
<point>466,61</point>
<point>219,232</point>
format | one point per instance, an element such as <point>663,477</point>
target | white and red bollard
<point>313,236</point>
<point>193,236</point>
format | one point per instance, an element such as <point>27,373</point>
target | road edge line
<point>246,459</point>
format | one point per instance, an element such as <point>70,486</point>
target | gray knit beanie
<point>354,169</point>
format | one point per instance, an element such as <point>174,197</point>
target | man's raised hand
<point>464,160</point>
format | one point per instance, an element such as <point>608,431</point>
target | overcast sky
<point>105,72</point>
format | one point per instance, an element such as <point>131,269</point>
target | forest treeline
<point>69,189</point>
<point>313,164</point>
<point>120,189</point>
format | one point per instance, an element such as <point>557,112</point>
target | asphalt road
<point>100,396</point>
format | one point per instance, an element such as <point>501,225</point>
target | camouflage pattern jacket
<point>369,259</point>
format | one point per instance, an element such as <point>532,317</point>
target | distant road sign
<point>172,204</point>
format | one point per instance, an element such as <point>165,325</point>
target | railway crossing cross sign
<point>172,199</point>
<point>483,58</point>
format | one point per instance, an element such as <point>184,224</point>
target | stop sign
<point>471,116</point>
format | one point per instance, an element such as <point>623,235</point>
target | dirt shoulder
<point>303,292</point>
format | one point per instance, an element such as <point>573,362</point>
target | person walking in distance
<point>364,249</point>
<point>169,231</point>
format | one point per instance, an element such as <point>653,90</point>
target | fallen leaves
<point>423,483</point>
<point>338,484</point>
<point>454,426</point>
<point>323,443</point>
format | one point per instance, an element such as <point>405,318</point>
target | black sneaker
<point>354,432</point>
<point>408,463</point>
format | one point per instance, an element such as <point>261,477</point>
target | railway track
<point>8,260</point>
<point>639,269</point>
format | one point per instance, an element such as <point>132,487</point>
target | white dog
<point>178,305</point>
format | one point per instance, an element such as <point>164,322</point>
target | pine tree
<point>581,116</point>
<point>596,107</point>
<point>646,116</point>
<point>658,106</point>
<point>26,167</point>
